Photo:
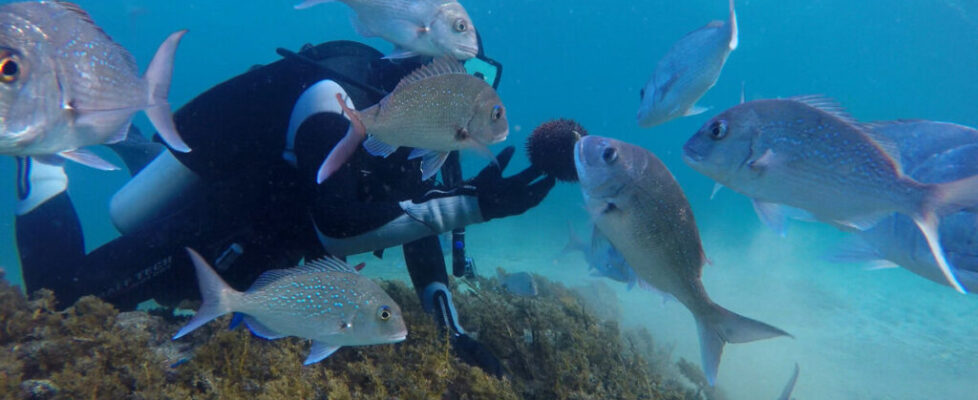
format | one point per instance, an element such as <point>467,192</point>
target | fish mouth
<point>690,155</point>
<point>465,52</point>
<point>398,337</point>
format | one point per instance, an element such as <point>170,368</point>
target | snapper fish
<point>325,300</point>
<point>636,203</point>
<point>808,154</point>
<point>930,152</point>
<point>433,28</point>
<point>65,85</point>
<point>690,68</point>
<point>437,109</point>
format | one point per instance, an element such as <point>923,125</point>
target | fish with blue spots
<point>807,153</point>
<point>65,85</point>
<point>325,301</point>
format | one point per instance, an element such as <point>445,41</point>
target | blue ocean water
<point>858,334</point>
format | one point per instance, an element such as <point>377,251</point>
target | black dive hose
<point>451,173</point>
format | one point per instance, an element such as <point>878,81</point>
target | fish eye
<point>609,155</point>
<point>497,112</point>
<point>641,94</point>
<point>718,130</point>
<point>384,313</point>
<point>9,70</point>
<point>461,25</point>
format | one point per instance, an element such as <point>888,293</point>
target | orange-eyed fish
<point>325,300</point>
<point>416,27</point>
<point>64,85</point>
<point>436,109</point>
<point>806,153</point>
<point>690,68</point>
<point>638,205</point>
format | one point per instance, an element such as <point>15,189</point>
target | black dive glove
<point>503,197</point>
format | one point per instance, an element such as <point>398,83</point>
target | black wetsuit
<point>253,197</point>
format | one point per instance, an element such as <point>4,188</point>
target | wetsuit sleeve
<point>349,217</point>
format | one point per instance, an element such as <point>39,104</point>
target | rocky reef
<point>552,347</point>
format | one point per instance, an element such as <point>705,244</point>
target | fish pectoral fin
<point>376,147</point>
<point>696,110</point>
<point>772,215</point>
<point>309,3</point>
<point>431,162</point>
<point>87,158</point>
<point>260,330</point>
<point>766,160</point>
<point>716,189</point>
<point>399,53</point>
<point>928,225</point>
<point>319,351</point>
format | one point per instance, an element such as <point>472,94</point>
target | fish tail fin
<point>723,326</point>
<point>347,146</point>
<point>309,3</point>
<point>158,77</point>
<point>574,242</point>
<point>734,39</point>
<point>217,295</point>
<point>944,199</point>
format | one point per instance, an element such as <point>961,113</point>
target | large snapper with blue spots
<point>807,153</point>
<point>64,85</point>
<point>325,301</point>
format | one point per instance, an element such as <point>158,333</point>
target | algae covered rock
<point>551,346</point>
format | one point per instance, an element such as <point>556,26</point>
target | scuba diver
<point>246,197</point>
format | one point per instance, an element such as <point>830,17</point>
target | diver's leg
<point>426,265</point>
<point>49,235</point>
<point>51,245</point>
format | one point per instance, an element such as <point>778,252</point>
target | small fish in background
<point>790,386</point>
<point>930,152</point>
<point>690,68</point>
<point>65,85</point>
<point>436,109</point>
<point>326,301</point>
<point>636,203</point>
<point>518,283</point>
<point>808,154</point>
<point>602,258</point>
<point>416,27</point>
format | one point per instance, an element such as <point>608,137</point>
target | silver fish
<point>436,109</point>
<point>64,85</point>
<point>602,258</point>
<point>325,301</point>
<point>808,154</point>
<point>416,27</point>
<point>930,152</point>
<point>637,204</point>
<point>690,68</point>
<point>518,283</point>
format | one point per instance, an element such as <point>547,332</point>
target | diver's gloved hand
<point>503,197</point>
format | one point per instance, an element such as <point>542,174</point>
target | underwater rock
<point>38,389</point>
<point>550,346</point>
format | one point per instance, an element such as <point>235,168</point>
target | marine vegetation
<point>552,347</point>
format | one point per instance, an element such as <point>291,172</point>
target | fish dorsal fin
<point>268,277</point>
<point>827,105</point>
<point>885,143</point>
<point>714,24</point>
<point>325,264</point>
<point>437,67</point>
